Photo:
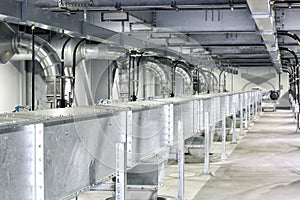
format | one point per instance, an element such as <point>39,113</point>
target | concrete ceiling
<point>235,32</point>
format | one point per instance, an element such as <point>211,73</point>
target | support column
<point>249,109</point>
<point>234,139</point>
<point>39,163</point>
<point>121,174</point>
<point>253,104</point>
<point>180,156</point>
<point>256,105</point>
<point>224,110</point>
<point>207,144</point>
<point>241,115</point>
<point>260,104</point>
<point>246,110</point>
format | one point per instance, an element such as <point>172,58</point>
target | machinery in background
<point>270,99</point>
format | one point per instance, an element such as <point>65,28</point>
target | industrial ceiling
<point>236,33</point>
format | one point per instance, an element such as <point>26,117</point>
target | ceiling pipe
<point>44,54</point>
<point>211,87</point>
<point>290,34</point>
<point>290,51</point>
<point>160,70</point>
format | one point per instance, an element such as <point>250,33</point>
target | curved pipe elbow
<point>45,54</point>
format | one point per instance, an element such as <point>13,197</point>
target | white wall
<point>11,86</point>
<point>264,78</point>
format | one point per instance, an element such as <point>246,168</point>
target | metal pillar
<point>180,156</point>
<point>39,163</point>
<point>256,105</point>
<point>169,112</point>
<point>33,70</point>
<point>207,144</point>
<point>121,175</point>
<point>128,139</point>
<point>224,110</point>
<point>249,109</point>
<point>234,140</point>
<point>260,104</point>
<point>253,110</point>
<point>241,115</point>
<point>246,110</point>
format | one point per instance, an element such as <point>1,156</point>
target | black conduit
<point>129,78</point>
<point>290,34</point>
<point>74,63</point>
<point>62,86</point>
<point>133,97</point>
<point>138,72</point>
<point>33,72</point>
<point>296,67</point>
<point>174,78</point>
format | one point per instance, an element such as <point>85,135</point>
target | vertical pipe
<point>62,86</point>
<point>74,66</point>
<point>33,71</point>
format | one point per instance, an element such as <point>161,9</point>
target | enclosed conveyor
<point>58,154</point>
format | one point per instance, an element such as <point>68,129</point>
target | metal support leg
<point>246,113</point>
<point>260,106</point>
<point>121,175</point>
<point>129,138</point>
<point>39,162</point>
<point>234,140</point>
<point>207,145</point>
<point>241,116</point>
<point>256,108</point>
<point>249,110</point>
<point>252,111</point>
<point>223,156</point>
<point>180,156</point>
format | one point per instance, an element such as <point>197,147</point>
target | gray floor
<point>265,165</point>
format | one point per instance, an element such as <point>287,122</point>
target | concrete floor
<point>264,165</point>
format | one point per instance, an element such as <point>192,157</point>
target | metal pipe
<point>290,51</point>
<point>44,54</point>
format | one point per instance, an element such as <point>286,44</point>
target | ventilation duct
<point>86,51</point>
<point>6,49</point>
<point>21,43</point>
<point>45,54</point>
